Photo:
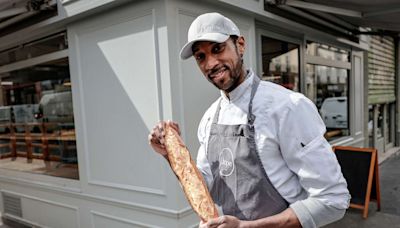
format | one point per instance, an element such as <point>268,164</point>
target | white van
<point>57,108</point>
<point>334,112</point>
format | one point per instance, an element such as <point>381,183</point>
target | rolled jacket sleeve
<point>310,156</point>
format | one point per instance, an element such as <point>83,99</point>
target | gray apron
<point>240,184</point>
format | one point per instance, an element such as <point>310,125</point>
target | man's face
<point>221,63</point>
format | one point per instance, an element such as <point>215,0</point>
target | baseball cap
<point>212,27</point>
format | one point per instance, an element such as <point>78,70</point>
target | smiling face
<point>221,63</point>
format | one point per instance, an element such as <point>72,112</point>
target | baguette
<point>189,176</point>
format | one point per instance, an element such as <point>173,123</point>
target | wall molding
<point>45,201</point>
<point>118,219</point>
<point>170,213</point>
<point>81,31</point>
<point>127,187</point>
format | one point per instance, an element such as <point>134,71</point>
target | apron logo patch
<point>226,163</point>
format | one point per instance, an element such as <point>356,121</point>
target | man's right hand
<point>156,136</point>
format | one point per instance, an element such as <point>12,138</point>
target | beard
<point>235,76</point>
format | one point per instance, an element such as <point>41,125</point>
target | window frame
<point>318,60</point>
<point>297,41</point>
<point>304,59</point>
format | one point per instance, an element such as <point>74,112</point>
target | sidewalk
<point>389,216</point>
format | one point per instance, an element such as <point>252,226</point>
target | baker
<point>262,148</point>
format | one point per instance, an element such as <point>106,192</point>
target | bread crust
<point>189,176</point>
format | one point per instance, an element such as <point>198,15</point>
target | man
<point>262,150</point>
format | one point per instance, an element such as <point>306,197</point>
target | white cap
<point>212,27</point>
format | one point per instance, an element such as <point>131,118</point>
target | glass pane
<point>36,120</point>
<point>37,48</point>
<point>328,87</point>
<point>390,122</point>
<point>327,52</point>
<point>280,62</point>
<point>370,125</point>
<point>380,121</point>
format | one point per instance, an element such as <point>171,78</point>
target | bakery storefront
<point>83,82</point>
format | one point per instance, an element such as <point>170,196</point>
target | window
<point>280,62</point>
<point>20,14</point>
<point>33,49</point>
<point>370,125</point>
<point>327,76</point>
<point>37,131</point>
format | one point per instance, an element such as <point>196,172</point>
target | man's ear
<point>240,42</point>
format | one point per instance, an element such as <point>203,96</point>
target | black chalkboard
<point>360,169</point>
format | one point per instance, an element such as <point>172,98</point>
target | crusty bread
<point>189,176</point>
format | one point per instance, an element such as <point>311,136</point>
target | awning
<point>383,16</point>
<point>14,11</point>
<point>12,8</point>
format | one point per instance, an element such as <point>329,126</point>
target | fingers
<point>223,222</point>
<point>202,224</point>
<point>216,222</point>
<point>160,132</point>
<point>156,138</point>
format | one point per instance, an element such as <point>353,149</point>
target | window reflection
<point>47,45</point>
<point>327,52</point>
<point>280,62</point>
<point>328,88</point>
<point>37,128</point>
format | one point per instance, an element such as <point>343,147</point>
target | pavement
<point>387,217</point>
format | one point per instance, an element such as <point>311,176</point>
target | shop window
<point>370,125</point>
<point>280,62</point>
<point>390,123</point>
<point>381,120</point>
<point>34,49</point>
<point>327,86</point>
<point>327,52</point>
<point>37,130</point>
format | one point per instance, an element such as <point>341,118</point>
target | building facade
<point>83,83</point>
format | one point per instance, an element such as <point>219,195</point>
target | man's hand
<point>285,219</point>
<point>156,136</point>
<point>225,221</point>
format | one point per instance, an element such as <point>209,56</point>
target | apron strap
<point>251,117</point>
<point>216,115</point>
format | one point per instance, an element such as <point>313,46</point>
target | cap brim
<point>186,51</point>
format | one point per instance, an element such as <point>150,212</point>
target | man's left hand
<point>225,221</point>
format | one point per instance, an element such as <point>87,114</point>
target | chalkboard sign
<point>360,169</point>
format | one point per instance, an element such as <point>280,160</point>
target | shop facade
<point>83,83</point>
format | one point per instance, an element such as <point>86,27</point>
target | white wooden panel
<point>119,86</point>
<point>49,214</point>
<point>101,220</point>
<point>359,98</point>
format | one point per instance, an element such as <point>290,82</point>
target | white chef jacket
<point>289,135</point>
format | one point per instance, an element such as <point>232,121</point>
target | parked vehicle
<point>334,112</point>
<point>18,114</point>
<point>52,108</point>
<point>56,108</point>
